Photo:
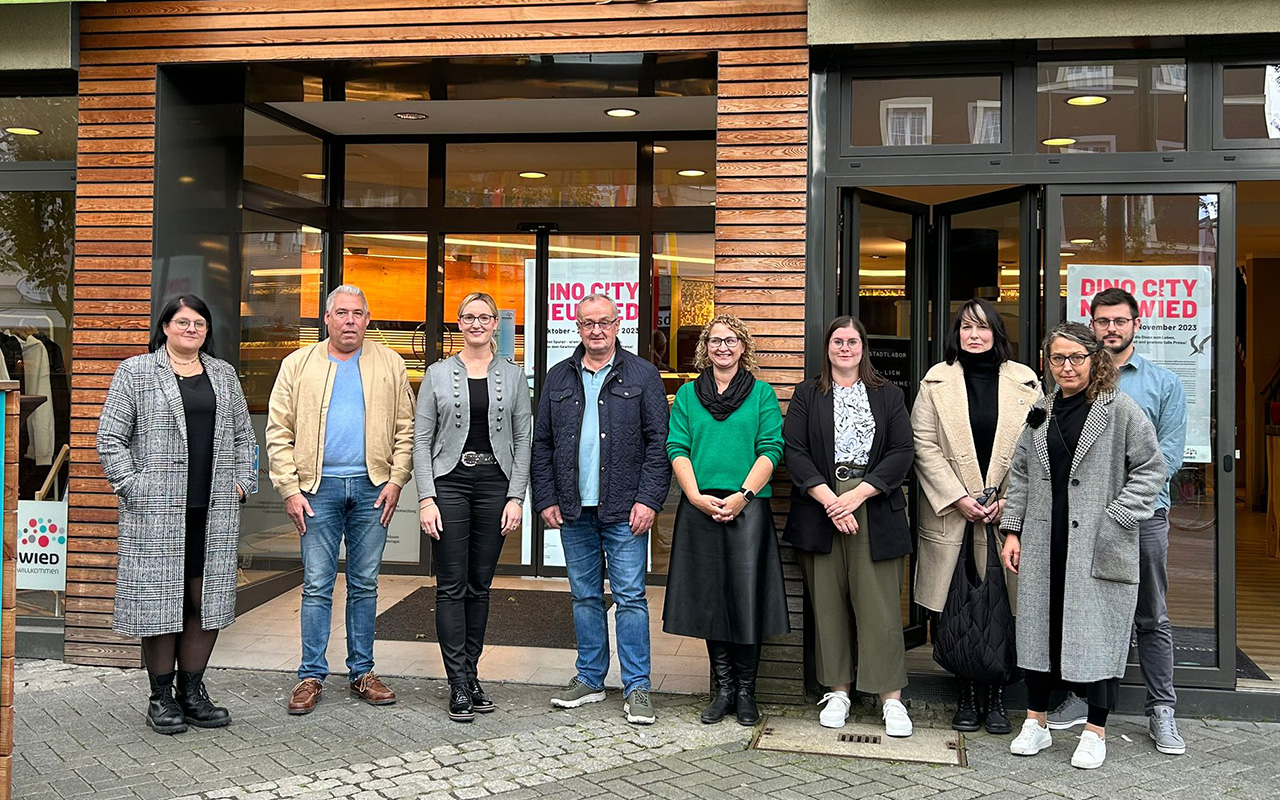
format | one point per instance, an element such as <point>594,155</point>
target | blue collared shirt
<point>344,426</point>
<point>1160,395</point>
<point>589,441</point>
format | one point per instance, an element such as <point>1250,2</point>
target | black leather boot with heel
<point>724,701</point>
<point>197,708</point>
<point>966,716</point>
<point>997,719</point>
<point>746,661</point>
<point>163,712</point>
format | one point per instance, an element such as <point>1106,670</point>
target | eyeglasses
<point>841,344</point>
<point>1076,359</point>
<point>483,319</point>
<point>595,324</point>
<point>183,324</point>
<point>1112,322</point>
<point>728,341</point>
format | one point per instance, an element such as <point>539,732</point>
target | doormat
<point>1198,647</point>
<point>517,618</point>
<point>860,740</point>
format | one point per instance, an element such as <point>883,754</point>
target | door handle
<point>1228,462</point>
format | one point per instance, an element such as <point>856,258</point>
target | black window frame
<point>1220,140</point>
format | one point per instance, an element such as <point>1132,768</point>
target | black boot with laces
<point>966,717</point>
<point>197,708</point>
<point>163,713</point>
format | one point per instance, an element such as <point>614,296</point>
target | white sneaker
<point>1034,738</point>
<point>836,711</point>
<point>896,721</point>
<point>1091,751</point>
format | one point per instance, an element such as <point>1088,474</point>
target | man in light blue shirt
<point>589,442</point>
<point>1160,394</point>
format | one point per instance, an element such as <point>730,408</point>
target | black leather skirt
<point>724,581</point>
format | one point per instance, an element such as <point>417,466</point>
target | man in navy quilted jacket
<point>600,474</point>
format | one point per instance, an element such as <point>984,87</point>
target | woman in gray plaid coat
<point>176,444</point>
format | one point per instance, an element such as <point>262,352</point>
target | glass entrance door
<point>1173,247</point>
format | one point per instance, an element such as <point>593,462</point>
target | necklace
<point>179,361</point>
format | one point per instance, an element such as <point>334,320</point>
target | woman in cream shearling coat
<point>967,418</point>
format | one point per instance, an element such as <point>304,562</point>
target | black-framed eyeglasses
<point>1112,322</point>
<point>470,319</point>
<point>728,341</point>
<point>1076,359</point>
<point>593,324</point>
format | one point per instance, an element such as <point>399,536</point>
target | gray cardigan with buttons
<point>444,417</point>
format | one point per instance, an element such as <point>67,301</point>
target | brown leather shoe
<point>305,695</point>
<point>372,690</point>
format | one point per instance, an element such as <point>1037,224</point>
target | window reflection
<point>1251,102</point>
<point>684,173</point>
<point>934,110</point>
<point>38,128</point>
<point>1112,107</point>
<point>386,176</point>
<point>283,158</point>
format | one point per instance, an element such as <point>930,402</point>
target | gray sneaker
<point>639,708</point>
<point>1071,713</point>
<point>576,694</point>
<point>1164,731</point>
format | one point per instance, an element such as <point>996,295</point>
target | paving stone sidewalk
<point>80,734</point>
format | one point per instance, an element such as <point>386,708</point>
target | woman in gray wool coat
<point>1087,470</point>
<point>176,444</point>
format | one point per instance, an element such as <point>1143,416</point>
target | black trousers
<point>1101,696</point>
<point>471,500</point>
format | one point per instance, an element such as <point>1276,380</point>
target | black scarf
<point>719,405</point>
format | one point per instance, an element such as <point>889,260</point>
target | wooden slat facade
<point>8,581</point>
<point>761,167</point>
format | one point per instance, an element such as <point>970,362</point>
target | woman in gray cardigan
<point>176,444</point>
<point>471,448</point>
<point>1087,470</point>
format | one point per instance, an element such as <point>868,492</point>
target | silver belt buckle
<point>469,458</point>
<point>842,473</point>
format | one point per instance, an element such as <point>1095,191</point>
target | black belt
<point>849,471</point>
<point>474,459</point>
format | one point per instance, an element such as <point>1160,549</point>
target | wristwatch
<point>747,494</point>
<point>517,500</point>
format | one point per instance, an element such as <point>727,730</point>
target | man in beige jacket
<point>340,442</point>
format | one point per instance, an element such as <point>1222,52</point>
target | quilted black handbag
<point>974,638</point>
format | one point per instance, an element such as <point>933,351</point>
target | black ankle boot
<point>163,713</point>
<point>460,707</point>
<point>197,708</point>
<point>746,660</point>
<point>997,719</point>
<point>966,717</point>
<point>725,699</point>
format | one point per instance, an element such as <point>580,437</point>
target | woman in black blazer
<point>848,447</point>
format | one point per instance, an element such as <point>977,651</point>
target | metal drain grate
<point>859,738</point>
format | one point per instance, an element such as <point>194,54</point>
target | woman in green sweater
<point>724,583</point>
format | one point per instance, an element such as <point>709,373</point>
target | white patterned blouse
<point>855,427</point>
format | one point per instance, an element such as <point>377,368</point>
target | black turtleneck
<point>982,384</point>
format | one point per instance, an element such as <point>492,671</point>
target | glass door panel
<point>1164,244</point>
<point>886,245</point>
<point>501,265</point>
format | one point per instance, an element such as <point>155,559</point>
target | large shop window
<point>281,309</point>
<point>541,175</point>
<point>283,158</point>
<point>1112,106</point>
<point>1163,249</point>
<point>37,229</point>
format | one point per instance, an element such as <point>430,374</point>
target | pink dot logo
<point>40,532</point>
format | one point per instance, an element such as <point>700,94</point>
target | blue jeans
<point>588,546</point>
<point>343,507</point>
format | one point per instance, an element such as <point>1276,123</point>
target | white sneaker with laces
<point>896,721</point>
<point>1033,738</point>
<point>836,709</point>
<point>1091,751</point>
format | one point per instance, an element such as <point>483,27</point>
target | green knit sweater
<point>723,451</point>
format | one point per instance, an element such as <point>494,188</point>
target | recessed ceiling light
<point>313,176</point>
<point>1060,141</point>
<point>1065,254</point>
<point>18,130</point>
<point>692,173</point>
<point>533,175</point>
<point>621,112</point>
<point>411,115</point>
<point>1087,100</point>
<point>1081,241</point>
<point>186,179</point>
<point>659,149</point>
<point>880,257</point>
